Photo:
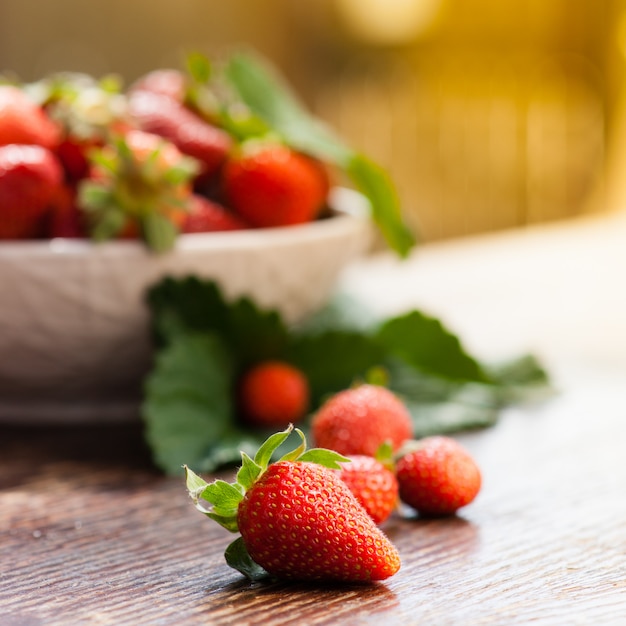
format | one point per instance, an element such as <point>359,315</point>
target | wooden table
<point>91,534</point>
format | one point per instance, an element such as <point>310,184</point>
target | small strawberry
<point>164,82</point>
<point>206,216</point>
<point>360,419</point>
<point>437,476</point>
<point>29,178</point>
<point>273,394</point>
<point>298,520</point>
<point>192,135</point>
<point>373,484</point>
<point>22,121</point>
<point>140,182</point>
<point>273,185</point>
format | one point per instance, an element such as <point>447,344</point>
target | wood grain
<point>91,534</point>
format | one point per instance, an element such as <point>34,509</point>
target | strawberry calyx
<point>138,183</point>
<point>223,498</point>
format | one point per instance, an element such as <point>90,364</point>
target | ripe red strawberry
<point>29,177</point>
<point>165,82</point>
<point>64,218</point>
<point>193,136</point>
<point>24,122</point>
<point>273,394</point>
<point>298,520</point>
<point>373,484</point>
<point>360,419</point>
<point>205,216</point>
<point>275,186</point>
<point>437,476</point>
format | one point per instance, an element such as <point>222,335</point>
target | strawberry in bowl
<point>103,192</point>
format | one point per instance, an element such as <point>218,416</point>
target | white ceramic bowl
<point>74,341</point>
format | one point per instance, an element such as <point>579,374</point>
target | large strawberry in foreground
<point>297,519</point>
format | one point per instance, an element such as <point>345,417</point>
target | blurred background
<point>489,115</point>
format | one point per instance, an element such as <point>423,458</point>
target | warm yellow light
<point>388,21</point>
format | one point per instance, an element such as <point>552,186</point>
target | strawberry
<point>140,182</point>
<point>29,178</point>
<point>87,112</point>
<point>360,419</point>
<point>373,484</point>
<point>165,82</point>
<point>64,218</point>
<point>298,520</point>
<point>273,394</point>
<point>193,136</point>
<point>206,216</point>
<point>273,185</point>
<point>22,121</point>
<point>437,476</point>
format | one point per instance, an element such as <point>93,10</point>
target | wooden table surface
<point>91,534</point>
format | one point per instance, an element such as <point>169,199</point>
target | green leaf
<point>248,472</point>
<point>296,453</point>
<point>520,379</point>
<point>322,456</point>
<point>332,361</point>
<point>199,67</point>
<point>238,558</point>
<point>268,96</point>
<point>251,334</point>
<point>224,497</point>
<point>229,522</point>
<point>271,444</point>
<point>195,484</point>
<point>188,407</point>
<point>438,405</point>
<point>260,87</point>
<point>159,232</point>
<point>376,185</point>
<point>424,343</point>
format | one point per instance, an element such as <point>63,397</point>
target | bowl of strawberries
<point>104,192</point>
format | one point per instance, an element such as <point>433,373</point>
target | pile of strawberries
<point>315,514</point>
<point>80,158</point>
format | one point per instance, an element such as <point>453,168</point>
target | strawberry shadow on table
<point>278,598</point>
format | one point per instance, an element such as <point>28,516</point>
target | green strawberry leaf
<point>204,342</point>
<point>188,406</point>
<point>440,405</point>
<point>248,472</point>
<point>222,495</point>
<point>260,87</point>
<point>334,360</point>
<point>519,379</point>
<point>178,305</point>
<point>264,454</point>
<point>376,185</point>
<point>159,232</point>
<point>423,342</point>
<point>322,456</point>
<point>268,97</point>
<point>238,558</point>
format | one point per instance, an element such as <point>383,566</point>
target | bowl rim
<point>347,208</point>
